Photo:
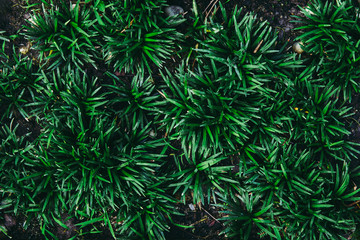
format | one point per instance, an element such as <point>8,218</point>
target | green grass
<point>138,113</point>
<point>331,34</point>
<point>65,35</point>
<point>138,35</point>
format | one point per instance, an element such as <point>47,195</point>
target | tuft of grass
<point>286,193</point>
<point>89,155</point>
<point>65,36</point>
<point>204,114</point>
<point>331,33</point>
<point>138,36</point>
<point>19,78</point>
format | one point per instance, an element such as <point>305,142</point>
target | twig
<point>213,5</point>
<point>163,95</point>
<point>258,46</point>
<point>352,204</point>
<point>197,222</point>
<point>355,120</point>
<point>212,217</point>
<point>208,5</point>
<point>127,26</point>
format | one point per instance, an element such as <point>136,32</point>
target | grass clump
<point>18,83</point>
<point>291,194</point>
<point>138,35</point>
<point>65,36</point>
<point>331,34</point>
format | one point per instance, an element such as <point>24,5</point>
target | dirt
<point>203,222</point>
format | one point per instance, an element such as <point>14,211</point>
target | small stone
<point>173,10</point>
<point>192,207</point>
<point>25,49</point>
<point>152,133</point>
<point>297,47</point>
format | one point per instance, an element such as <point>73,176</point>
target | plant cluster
<point>64,35</point>
<point>18,83</point>
<point>331,33</point>
<point>138,35</point>
<point>240,123</point>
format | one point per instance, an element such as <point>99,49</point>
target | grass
<point>236,122</point>
<point>138,35</point>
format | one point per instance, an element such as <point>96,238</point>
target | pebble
<point>152,133</point>
<point>192,207</point>
<point>25,49</point>
<point>297,47</point>
<point>173,10</point>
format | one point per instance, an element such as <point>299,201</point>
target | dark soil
<point>202,222</point>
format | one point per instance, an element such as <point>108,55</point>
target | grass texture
<point>139,112</point>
